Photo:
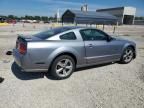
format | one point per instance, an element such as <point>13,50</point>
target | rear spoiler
<point>23,38</point>
<point>20,37</point>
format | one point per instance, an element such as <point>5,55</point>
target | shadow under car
<point>37,75</point>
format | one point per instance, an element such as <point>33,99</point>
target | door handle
<point>90,45</point>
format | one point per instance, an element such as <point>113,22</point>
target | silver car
<point>61,50</point>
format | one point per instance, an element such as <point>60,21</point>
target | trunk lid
<point>21,42</point>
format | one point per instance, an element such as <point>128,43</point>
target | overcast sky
<point>49,7</point>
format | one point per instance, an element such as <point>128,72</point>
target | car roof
<point>67,28</point>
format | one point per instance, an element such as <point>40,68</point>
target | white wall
<point>129,11</point>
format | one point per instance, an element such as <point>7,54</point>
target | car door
<point>97,47</point>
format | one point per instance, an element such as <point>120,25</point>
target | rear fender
<point>61,50</point>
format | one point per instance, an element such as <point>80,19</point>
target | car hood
<point>124,40</point>
<point>121,39</point>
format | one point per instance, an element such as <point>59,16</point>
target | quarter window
<point>93,34</point>
<point>68,36</point>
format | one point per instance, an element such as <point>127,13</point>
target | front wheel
<point>63,67</point>
<point>127,56</point>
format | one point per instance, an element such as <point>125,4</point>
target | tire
<point>127,55</point>
<point>62,67</point>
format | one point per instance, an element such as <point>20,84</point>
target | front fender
<point>127,45</point>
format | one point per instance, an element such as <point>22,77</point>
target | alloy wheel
<point>64,67</point>
<point>128,55</point>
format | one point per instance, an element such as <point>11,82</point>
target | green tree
<point>52,18</point>
<point>37,18</point>
<point>44,18</point>
<point>11,16</point>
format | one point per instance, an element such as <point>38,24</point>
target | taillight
<point>22,48</point>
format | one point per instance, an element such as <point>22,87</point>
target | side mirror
<point>109,38</point>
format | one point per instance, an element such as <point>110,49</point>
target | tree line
<point>39,18</point>
<point>139,18</point>
<point>28,17</point>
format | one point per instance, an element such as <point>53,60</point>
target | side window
<point>68,36</point>
<point>93,34</point>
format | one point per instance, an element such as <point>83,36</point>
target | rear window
<point>68,36</point>
<point>49,33</point>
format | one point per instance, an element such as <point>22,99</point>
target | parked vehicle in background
<point>63,49</point>
<point>30,21</point>
<point>2,20</point>
<point>47,22</point>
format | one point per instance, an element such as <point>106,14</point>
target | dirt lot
<point>105,86</point>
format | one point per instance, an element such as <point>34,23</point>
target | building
<point>84,8</point>
<point>87,17</point>
<point>125,15</point>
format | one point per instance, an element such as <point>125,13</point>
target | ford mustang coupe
<point>61,50</point>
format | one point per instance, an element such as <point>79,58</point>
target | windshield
<point>49,33</point>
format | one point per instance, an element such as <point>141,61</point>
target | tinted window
<point>93,34</point>
<point>49,33</point>
<point>68,36</point>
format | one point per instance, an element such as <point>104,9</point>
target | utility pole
<point>58,15</point>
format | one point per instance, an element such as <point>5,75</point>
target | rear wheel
<point>127,56</point>
<point>63,67</point>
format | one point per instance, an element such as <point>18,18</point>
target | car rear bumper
<point>17,57</point>
<point>22,63</point>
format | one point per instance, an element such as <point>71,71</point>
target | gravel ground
<point>104,86</point>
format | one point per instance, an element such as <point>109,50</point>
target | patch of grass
<point>142,35</point>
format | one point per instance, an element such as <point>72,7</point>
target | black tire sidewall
<point>53,66</point>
